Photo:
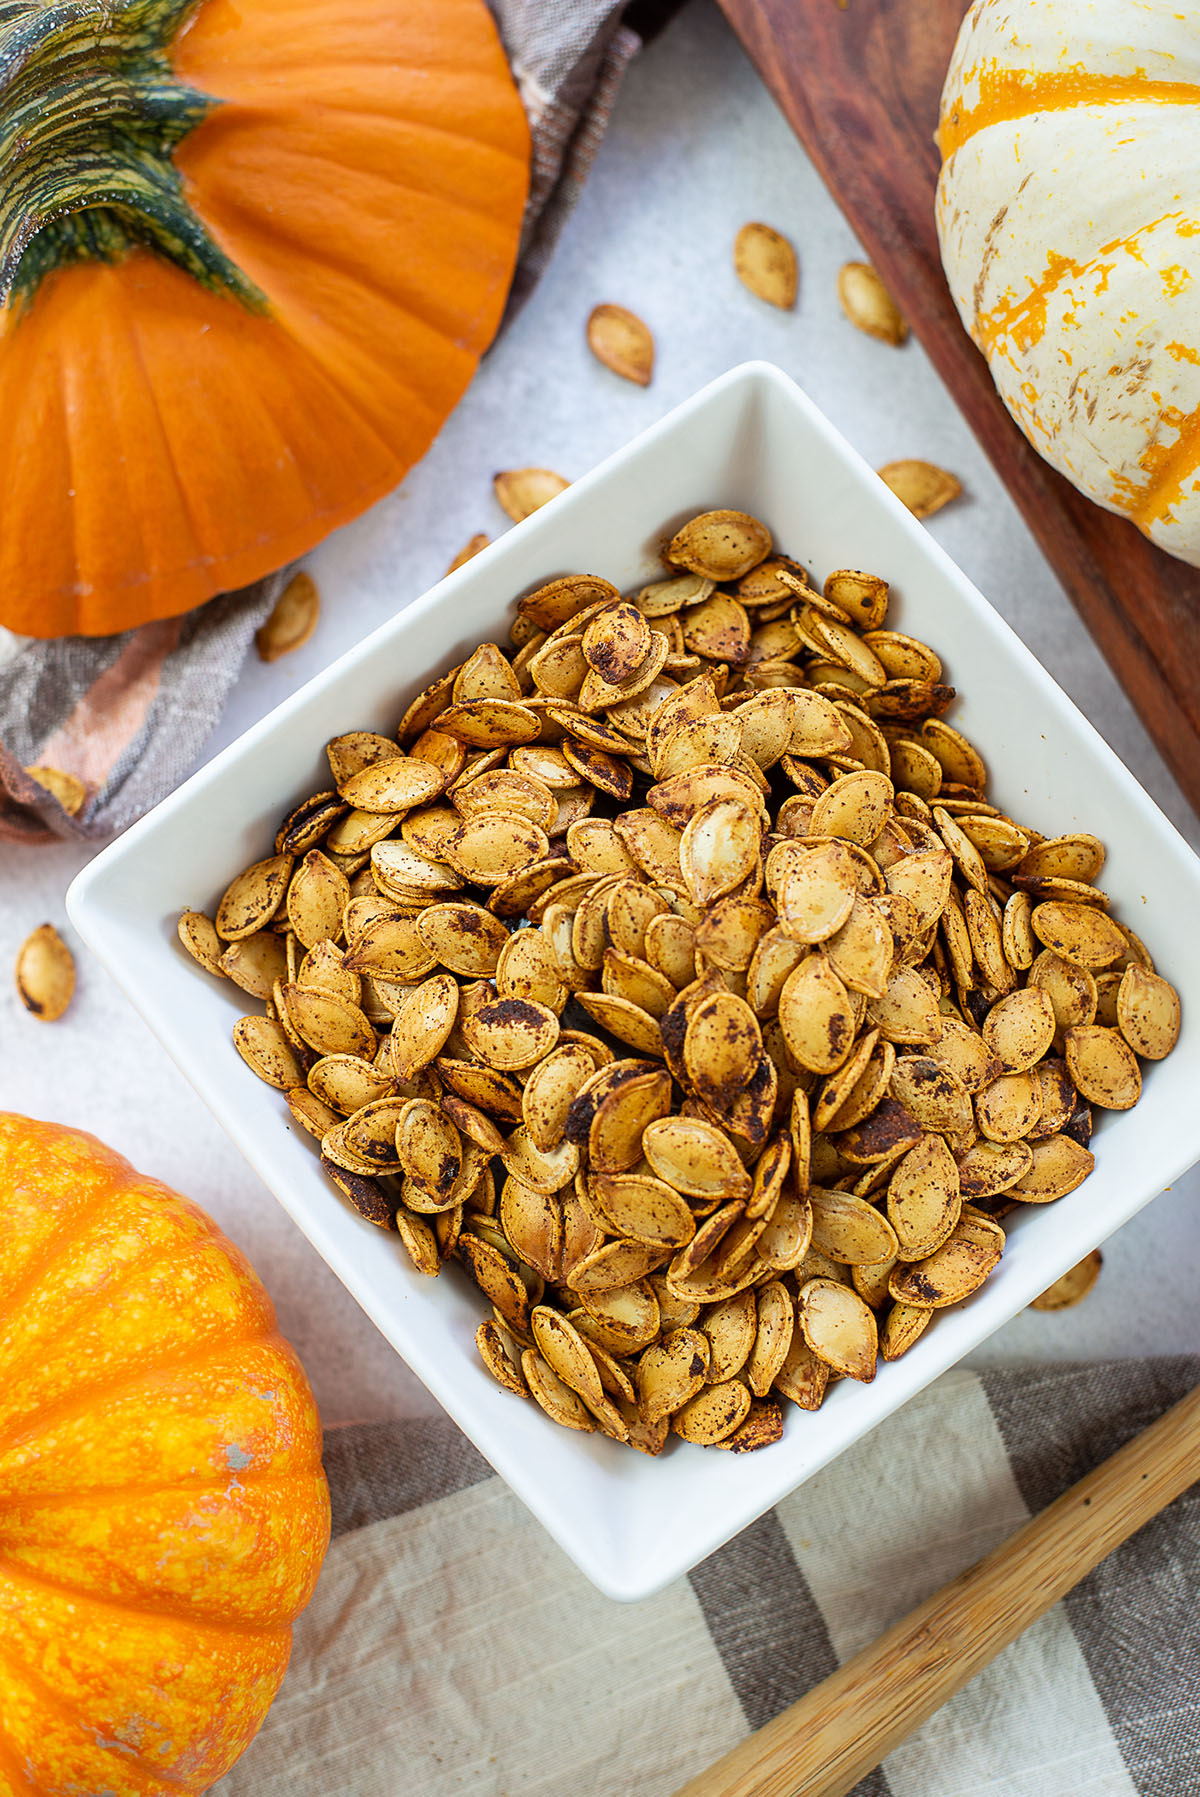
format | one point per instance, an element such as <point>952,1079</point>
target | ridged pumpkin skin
<point>163,1512</point>
<point>1069,218</point>
<point>366,171</point>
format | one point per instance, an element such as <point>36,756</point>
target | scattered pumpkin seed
<point>839,1328</point>
<point>1074,1285</point>
<point>1147,1012</point>
<point>922,486</point>
<point>45,974</point>
<point>522,491</point>
<point>765,262</point>
<point>1103,1066</point>
<point>198,935</point>
<point>868,304</point>
<point>469,551</point>
<point>293,618</point>
<point>621,341</point>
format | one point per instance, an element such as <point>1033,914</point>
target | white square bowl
<point>750,440</point>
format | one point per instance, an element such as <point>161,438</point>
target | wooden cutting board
<point>860,84</point>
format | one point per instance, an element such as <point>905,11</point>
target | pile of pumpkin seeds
<point>673,973</point>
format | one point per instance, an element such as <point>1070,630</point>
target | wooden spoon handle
<point>838,1732</point>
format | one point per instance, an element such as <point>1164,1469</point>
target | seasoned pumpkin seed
<point>868,304</point>
<point>45,975</point>
<point>1074,1285</point>
<point>924,1200</point>
<point>765,262</point>
<point>198,935</point>
<point>1148,1013</point>
<point>922,486</point>
<point>1103,1066</point>
<point>713,1414</point>
<point>522,491</point>
<point>620,340</point>
<point>839,1328</point>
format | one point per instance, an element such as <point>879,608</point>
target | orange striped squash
<point>1069,220</point>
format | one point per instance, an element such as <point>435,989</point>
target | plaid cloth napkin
<point>129,714</point>
<point>451,1650</point>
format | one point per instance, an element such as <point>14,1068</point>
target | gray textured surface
<point>696,148</point>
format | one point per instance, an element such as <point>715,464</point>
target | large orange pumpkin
<point>163,1513</point>
<point>250,254</point>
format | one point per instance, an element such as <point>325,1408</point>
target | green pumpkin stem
<point>90,114</point>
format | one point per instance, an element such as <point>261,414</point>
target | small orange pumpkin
<point>163,1512</point>
<point>250,254</point>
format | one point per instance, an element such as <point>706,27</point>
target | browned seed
<point>803,1377</point>
<point>45,974</point>
<point>1078,933</point>
<point>924,1199</point>
<point>868,304</point>
<point>251,900</point>
<point>849,1229</point>
<point>989,1168</point>
<point>816,1015</point>
<point>765,262</point>
<point>903,1325</point>
<point>1073,1286</point>
<point>560,1403</point>
<point>255,962</point>
<point>1020,1029</point>
<point>696,1158</point>
<point>839,1328</point>
<point>722,545</point>
<point>955,1270</point>
<point>1147,1012</point>
<point>293,618</point>
<point>266,1050</point>
<point>522,491</point>
<point>469,550</point>
<point>922,486</point>
<point>713,1414</point>
<point>500,1353</point>
<point>932,1094</point>
<point>620,340</point>
<point>1103,1066</point>
<point>1059,1165</point>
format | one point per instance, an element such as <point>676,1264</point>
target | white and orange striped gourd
<point>1069,220</point>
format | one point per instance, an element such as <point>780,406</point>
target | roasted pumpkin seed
<point>955,1270</point>
<point>199,937</point>
<point>1074,1285</point>
<point>45,975</point>
<point>1103,1066</point>
<point>621,341</point>
<point>1147,1012</point>
<point>713,1414</point>
<point>868,304</point>
<point>765,262</point>
<point>522,491</point>
<point>839,1328</point>
<point>922,486</point>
